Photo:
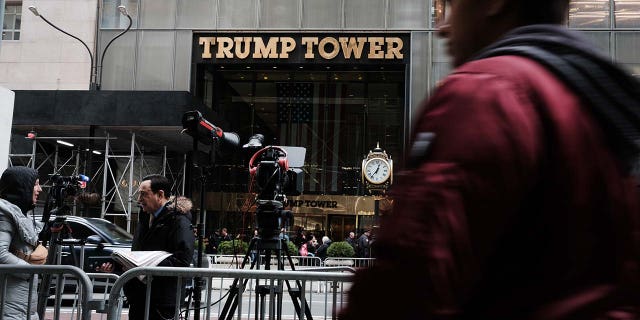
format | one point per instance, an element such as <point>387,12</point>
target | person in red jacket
<point>517,199</point>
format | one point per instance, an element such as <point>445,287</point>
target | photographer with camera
<point>19,189</point>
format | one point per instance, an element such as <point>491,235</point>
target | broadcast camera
<point>275,172</point>
<point>63,187</point>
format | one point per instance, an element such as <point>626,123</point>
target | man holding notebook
<point>164,224</point>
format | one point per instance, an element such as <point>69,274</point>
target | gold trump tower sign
<point>351,48</point>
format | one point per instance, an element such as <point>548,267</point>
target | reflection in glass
<point>369,14</point>
<point>409,14</point>
<point>439,11</point>
<point>589,14</point>
<point>627,13</point>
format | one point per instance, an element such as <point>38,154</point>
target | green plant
<point>340,249</point>
<point>291,247</point>
<point>195,246</point>
<point>226,247</point>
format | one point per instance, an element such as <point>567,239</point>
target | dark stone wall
<point>104,108</point>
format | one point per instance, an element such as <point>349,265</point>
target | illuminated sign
<point>302,48</point>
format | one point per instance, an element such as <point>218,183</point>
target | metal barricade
<point>227,261</point>
<point>318,306</point>
<point>349,262</point>
<point>83,296</point>
<point>306,261</point>
<point>102,285</point>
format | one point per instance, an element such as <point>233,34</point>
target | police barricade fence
<point>349,262</point>
<point>300,263</point>
<point>312,303</point>
<point>225,261</point>
<point>102,285</point>
<point>235,261</point>
<point>84,300</point>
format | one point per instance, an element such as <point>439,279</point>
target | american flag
<point>316,126</point>
<point>295,102</point>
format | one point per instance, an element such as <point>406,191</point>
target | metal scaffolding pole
<point>164,161</point>
<point>105,174</point>
<point>33,154</point>
<point>131,160</point>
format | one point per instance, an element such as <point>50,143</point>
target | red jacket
<point>519,210</point>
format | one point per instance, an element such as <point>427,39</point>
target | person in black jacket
<point>322,249</point>
<point>163,225</point>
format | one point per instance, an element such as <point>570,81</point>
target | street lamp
<point>94,67</point>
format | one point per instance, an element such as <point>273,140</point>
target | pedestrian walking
<point>517,200</point>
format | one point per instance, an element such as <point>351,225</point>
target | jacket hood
<point>16,186</point>
<point>181,204</point>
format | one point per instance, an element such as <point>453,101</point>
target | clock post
<point>377,171</point>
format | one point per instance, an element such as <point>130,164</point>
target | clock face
<point>377,171</point>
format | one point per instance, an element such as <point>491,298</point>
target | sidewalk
<point>65,314</point>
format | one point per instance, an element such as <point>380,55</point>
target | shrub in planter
<point>340,249</point>
<point>291,247</point>
<point>226,247</point>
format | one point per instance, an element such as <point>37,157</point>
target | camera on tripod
<point>57,233</point>
<point>63,187</point>
<point>276,173</point>
<point>69,185</point>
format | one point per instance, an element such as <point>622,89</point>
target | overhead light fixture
<point>122,10</point>
<point>96,152</point>
<point>64,143</point>
<point>34,10</point>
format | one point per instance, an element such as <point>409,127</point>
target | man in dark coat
<point>163,225</point>
<point>364,244</point>
<point>517,201</point>
<point>351,240</point>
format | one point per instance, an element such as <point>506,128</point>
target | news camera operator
<point>19,189</point>
<point>164,224</point>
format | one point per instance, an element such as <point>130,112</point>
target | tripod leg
<point>45,283</point>
<point>296,295</point>
<point>280,287</point>
<point>231,303</point>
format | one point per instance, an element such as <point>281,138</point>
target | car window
<point>80,231</point>
<point>116,233</point>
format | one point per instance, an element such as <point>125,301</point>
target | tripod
<point>268,245</point>
<point>59,229</point>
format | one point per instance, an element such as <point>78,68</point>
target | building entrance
<point>340,226</point>
<point>337,113</point>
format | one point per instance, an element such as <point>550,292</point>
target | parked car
<point>96,237</point>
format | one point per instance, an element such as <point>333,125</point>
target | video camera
<point>275,172</point>
<point>63,187</point>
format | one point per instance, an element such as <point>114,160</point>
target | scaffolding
<point>119,186</point>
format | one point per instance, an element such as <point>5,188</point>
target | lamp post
<point>93,76</point>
